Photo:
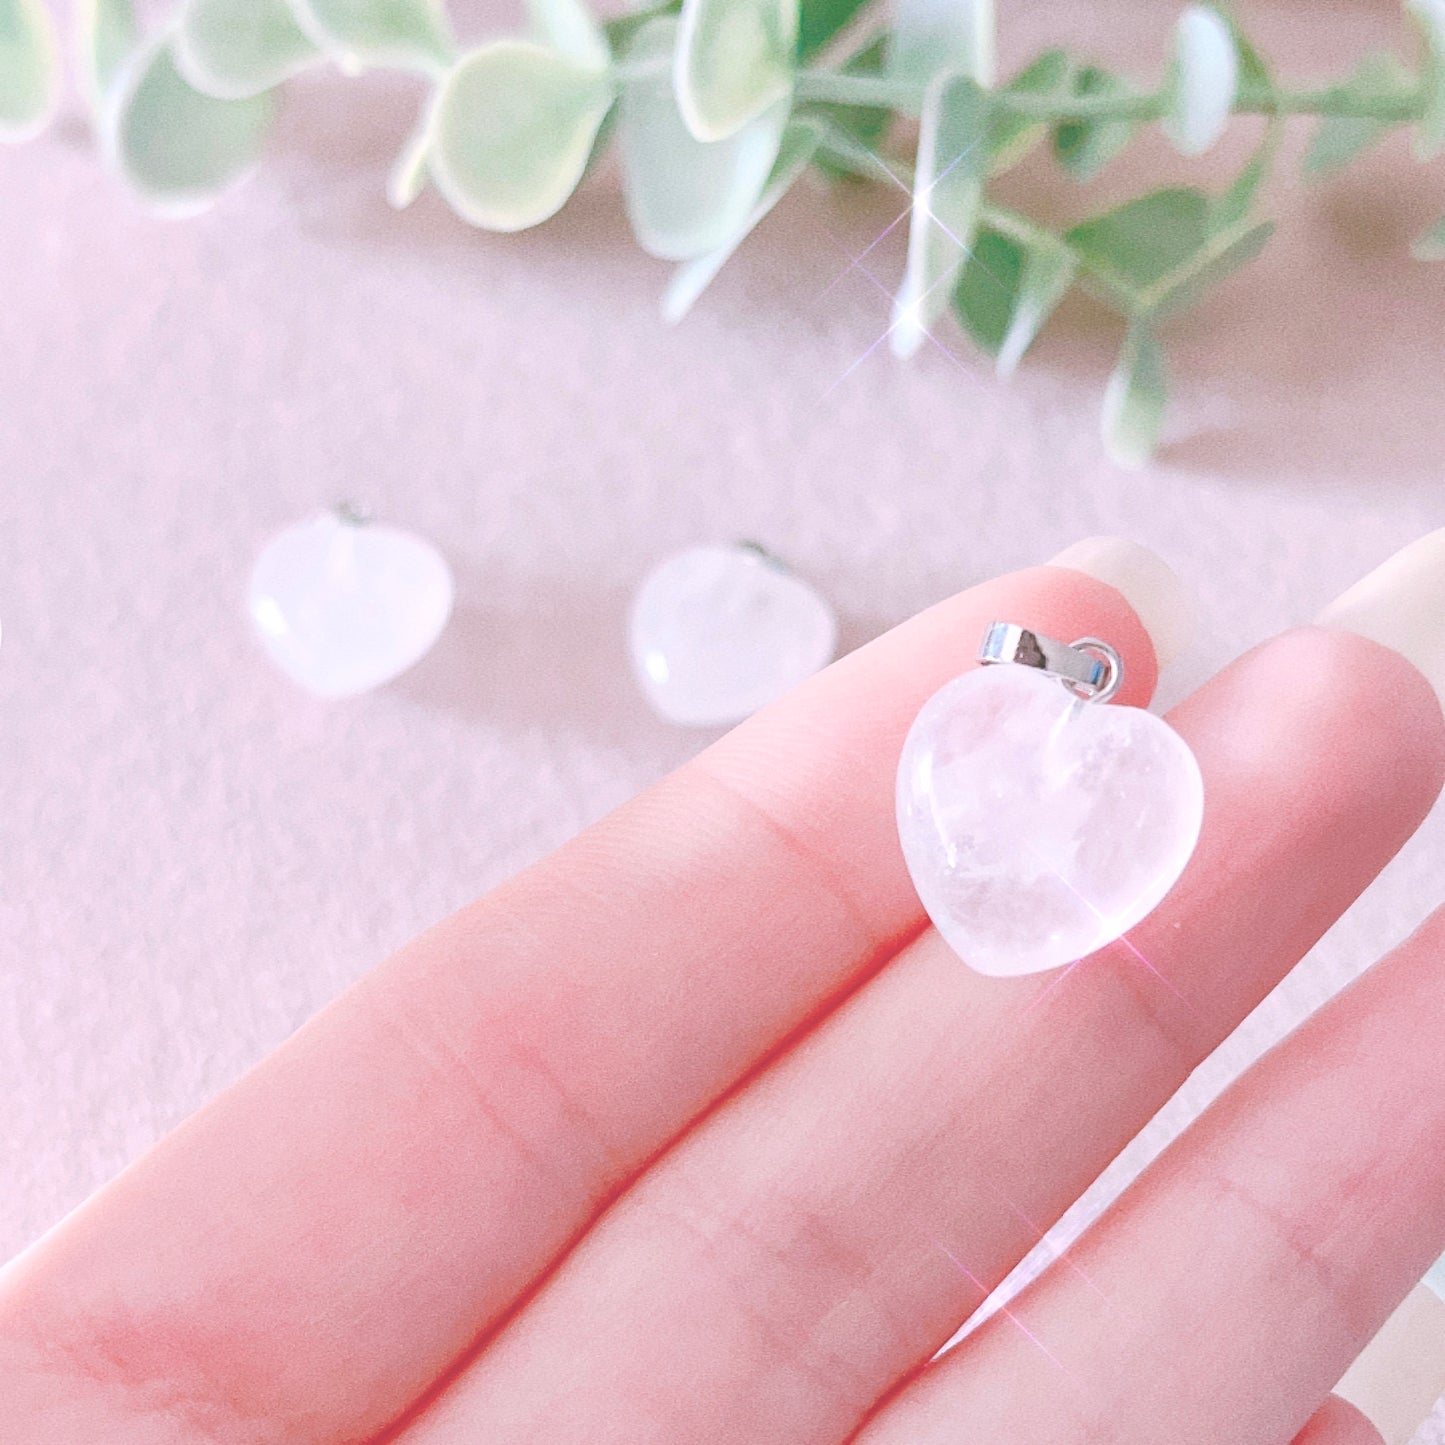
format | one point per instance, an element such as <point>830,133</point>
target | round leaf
<point>1234,205</point>
<point>1139,243</point>
<point>1135,400</point>
<point>1206,76</point>
<point>567,27</point>
<point>800,144</point>
<point>1048,272</point>
<point>513,127</point>
<point>948,181</point>
<point>1008,289</point>
<point>29,68</point>
<point>686,196</point>
<point>1430,246</point>
<point>178,147</point>
<point>820,22</point>
<point>409,170</point>
<point>988,289</point>
<point>404,33</point>
<point>734,61</point>
<point>1379,76</point>
<point>236,48</point>
<point>105,36</point>
<point>931,36</point>
<point>1224,255</point>
<point>1430,18</point>
<point>1338,140</point>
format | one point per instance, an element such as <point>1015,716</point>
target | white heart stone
<point>717,632</point>
<point>1039,827</point>
<point>344,606</point>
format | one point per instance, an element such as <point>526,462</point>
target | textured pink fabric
<point>195,857</point>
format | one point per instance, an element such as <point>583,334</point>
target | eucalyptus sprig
<point>717,107</point>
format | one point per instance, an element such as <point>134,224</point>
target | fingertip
<point>1337,1422</point>
<point>1164,605</point>
<point>1396,1380</point>
<point>1401,605</point>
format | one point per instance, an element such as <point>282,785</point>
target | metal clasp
<point>1088,667</point>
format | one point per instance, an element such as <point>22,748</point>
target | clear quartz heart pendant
<point>1039,824</point>
<point>342,604</point>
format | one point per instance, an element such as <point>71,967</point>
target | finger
<point>825,1233</point>
<point>1338,1423</point>
<point>1397,1378</point>
<point>318,1244</point>
<point>1234,1282</point>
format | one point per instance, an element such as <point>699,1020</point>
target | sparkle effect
<point>855,263</point>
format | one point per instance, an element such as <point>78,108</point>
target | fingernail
<point>1401,604</point>
<point>1147,583</point>
<point>1401,1373</point>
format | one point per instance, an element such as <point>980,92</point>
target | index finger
<point>316,1246</point>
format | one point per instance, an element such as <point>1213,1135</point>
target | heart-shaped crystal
<point>343,606</point>
<point>1037,826</point>
<point>716,632</point>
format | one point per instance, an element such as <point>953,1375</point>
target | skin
<point>695,1131</point>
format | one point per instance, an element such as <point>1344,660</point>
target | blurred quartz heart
<point>716,632</point>
<point>1039,827</point>
<point>344,605</point>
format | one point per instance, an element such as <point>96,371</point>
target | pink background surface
<point>196,856</point>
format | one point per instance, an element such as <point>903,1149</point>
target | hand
<point>695,1133</point>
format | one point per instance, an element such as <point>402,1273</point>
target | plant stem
<point>881,91</point>
<point>885,92</point>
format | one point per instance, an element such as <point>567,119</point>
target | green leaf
<point>105,36</point>
<point>1229,209</point>
<point>988,289</point>
<point>1048,272</point>
<point>567,27</point>
<point>177,147</point>
<point>1160,253</point>
<point>1224,255</point>
<point>1379,75</point>
<point>1254,75</point>
<point>29,69</point>
<point>865,126</point>
<point>1429,16</point>
<point>512,131</point>
<point>1084,147</point>
<point>685,196</point>
<point>621,28</point>
<point>930,37</point>
<point>1135,399</point>
<point>734,61</point>
<point>1203,79</point>
<point>1008,289</point>
<point>409,34</point>
<point>1431,245</point>
<point>800,141</point>
<point>1133,248</point>
<point>408,174</point>
<point>947,190</point>
<point>821,21</point>
<point>1340,138</point>
<point>1011,135</point>
<point>236,48</point>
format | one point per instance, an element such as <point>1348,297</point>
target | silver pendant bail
<point>1089,668</point>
